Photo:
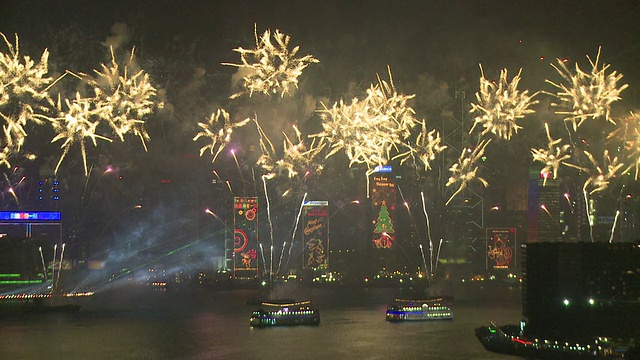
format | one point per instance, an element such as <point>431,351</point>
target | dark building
<point>581,290</point>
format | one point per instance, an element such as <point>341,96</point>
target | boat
<point>282,313</point>
<point>510,339</point>
<point>420,309</point>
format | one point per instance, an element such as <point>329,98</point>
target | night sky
<point>433,49</point>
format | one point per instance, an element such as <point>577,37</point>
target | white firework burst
<point>427,146</point>
<point>296,157</point>
<point>465,169</point>
<point>598,179</point>
<point>76,123</point>
<point>130,97</point>
<point>272,67</point>
<point>586,95</point>
<point>553,156</point>
<point>218,130</point>
<point>370,131</point>
<point>501,105</point>
<point>24,96</point>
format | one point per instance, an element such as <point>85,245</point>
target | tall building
<point>581,290</point>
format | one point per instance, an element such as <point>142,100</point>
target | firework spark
<point>24,96</point>
<point>586,95</point>
<point>272,67</point>
<point>553,156</point>
<point>369,131</point>
<point>465,170</point>
<point>218,130</point>
<point>77,123</point>
<point>501,105</point>
<point>129,97</point>
<point>296,158</point>
<point>427,146</point>
<point>629,132</point>
<point>598,179</point>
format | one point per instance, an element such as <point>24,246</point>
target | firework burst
<point>586,95</point>
<point>296,157</point>
<point>24,96</point>
<point>598,179</point>
<point>553,156</point>
<point>465,169</point>
<point>130,97</point>
<point>501,105</point>
<point>427,146</point>
<point>272,67</point>
<point>628,132</point>
<point>218,130</point>
<point>371,130</point>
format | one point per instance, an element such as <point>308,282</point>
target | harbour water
<point>138,323</point>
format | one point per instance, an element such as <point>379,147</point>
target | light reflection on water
<point>215,325</point>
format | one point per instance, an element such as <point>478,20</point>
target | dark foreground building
<point>581,290</point>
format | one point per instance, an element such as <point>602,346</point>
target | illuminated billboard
<point>501,248</point>
<point>245,239</point>
<point>383,200</point>
<point>315,235</point>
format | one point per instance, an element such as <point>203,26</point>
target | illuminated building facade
<point>581,289</point>
<point>544,208</point>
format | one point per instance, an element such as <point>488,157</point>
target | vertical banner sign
<point>315,235</point>
<point>383,196</point>
<point>501,248</point>
<point>245,239</point>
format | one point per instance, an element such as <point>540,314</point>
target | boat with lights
<point>439,308</point>
<point>282,313</point>
<point>510,339</point>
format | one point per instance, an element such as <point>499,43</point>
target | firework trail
<point>264,262</point>
<point>53,267</point>
<point>464,171</point>
<point>217,130</point>
<point>613,227</point>
<point>293,234</point>
<point>229,186</point>
<point>629,133</point>
<point>438,254</point>
<point>501,105</point>
<point>208,211</point>
<point>60,266</point>
<point>424,263</point>
<point>266,195</point>
<point>426,216</point>
<point>44,267</point>
<point>586,95</point>
<point>244,184</point>
<point>272,68</point>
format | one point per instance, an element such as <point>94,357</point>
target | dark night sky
<point>183,43</point>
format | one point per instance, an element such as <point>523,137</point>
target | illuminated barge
<point>509,339</point>
<point>278,313</point>
<point>420,310</point>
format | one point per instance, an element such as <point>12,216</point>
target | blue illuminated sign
<point>383,169</point>
<point>26,216</point>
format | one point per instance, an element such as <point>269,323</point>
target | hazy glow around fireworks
<point>273,68</point>
<point>465,169</point>
<point>553,156</point>
<point>501,105</point>
<point>369,131</point>
<point>586,95</point>
<point>218,130</point>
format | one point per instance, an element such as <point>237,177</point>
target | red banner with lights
<point>501,248</point>
<point>315,235</point>
<point>245,239</point>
